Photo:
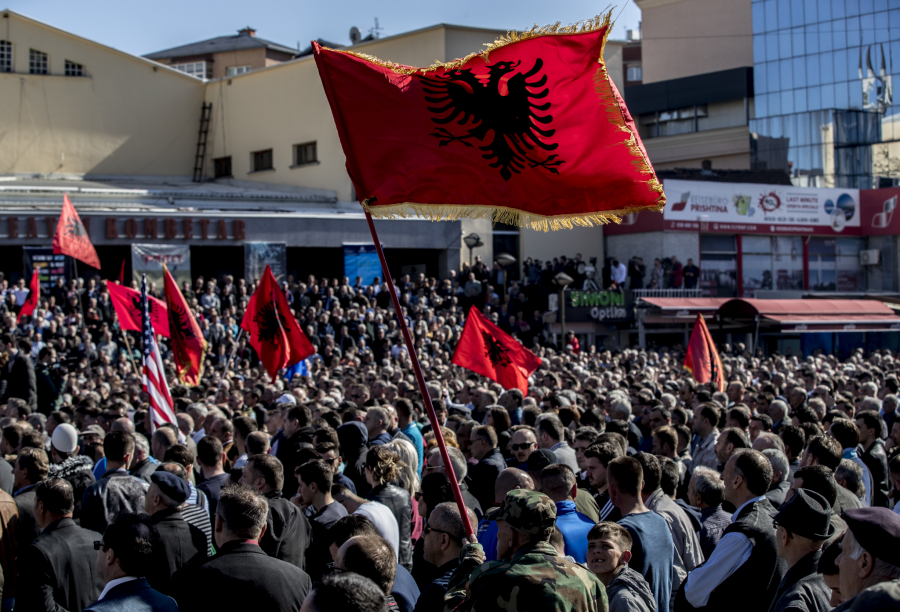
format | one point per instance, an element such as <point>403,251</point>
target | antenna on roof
<point>376,31</point>
<point>355,35</point>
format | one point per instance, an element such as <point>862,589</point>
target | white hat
<point>65,438</point>
<point>287,398</point>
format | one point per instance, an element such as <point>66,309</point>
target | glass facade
<point>823,73</point>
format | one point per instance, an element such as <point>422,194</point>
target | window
<point>73,69</point>
<point>236,70</point>
<point>199,70</point>
<point>635,73</point>
<point>5,56</point>
<point>673,122</point>
<point>305,153</point>
<point>718,265</point>
<point>222,167</point>
<point>771,263</point>
<point>38,63</point>
<point>262,160</point>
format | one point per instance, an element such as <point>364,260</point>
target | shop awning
<point>745,308</point>
<point>842,323</point>
<point>691,305</point>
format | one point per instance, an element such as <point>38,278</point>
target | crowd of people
<point>617,482</point>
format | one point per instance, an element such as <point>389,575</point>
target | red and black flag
<point>72,239</point>
<point>702,359</point>
<point>188,345</point>
<point>127,303</point>
<point>486,349</point>
<point>34,297</point>
<point>530,131</point>
<point>274,332</point>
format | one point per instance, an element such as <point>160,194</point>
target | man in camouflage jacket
<point>528,574</point>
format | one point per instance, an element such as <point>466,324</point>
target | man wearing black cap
<point>804,524</point>
<point>870,551</point>
<point>179,542</point>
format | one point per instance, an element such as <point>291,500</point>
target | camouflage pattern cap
<point>528,511</point>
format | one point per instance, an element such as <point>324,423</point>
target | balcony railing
<point>667,293</point>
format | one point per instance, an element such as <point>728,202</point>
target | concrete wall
<point>126,117</point>
<point>687,37</point>
<point>727,148</point>
<point>653,245</point>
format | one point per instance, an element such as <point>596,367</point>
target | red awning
<point>694,305</point>
<point>746,308</point>
<point>843,323</point>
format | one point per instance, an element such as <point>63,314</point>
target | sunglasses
<point>98,545</point>
<point>430,529</point>
<point>527,445</point>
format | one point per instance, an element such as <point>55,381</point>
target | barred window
<point>5,56</point>
<point>73,69</point>
<point>38,62</point>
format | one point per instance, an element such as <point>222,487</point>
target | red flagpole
<point>426,398</point>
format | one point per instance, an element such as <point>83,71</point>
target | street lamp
<point>563,280</point>
<point>505,260</point>
<point>472,241</point>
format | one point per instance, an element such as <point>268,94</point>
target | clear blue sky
<point>144,27</point>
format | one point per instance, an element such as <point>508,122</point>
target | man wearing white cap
<point>66,463</point>
<point>281,405</point>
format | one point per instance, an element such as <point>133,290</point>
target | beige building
<point>696,99</point>
<point>76,109</point>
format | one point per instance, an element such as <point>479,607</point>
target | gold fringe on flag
<point>512,216</point>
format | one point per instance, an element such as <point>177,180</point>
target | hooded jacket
<point>629,592</point>
<point>353,437</point>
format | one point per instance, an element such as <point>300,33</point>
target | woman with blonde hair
<point>409,480</point>
<point>384,467</point>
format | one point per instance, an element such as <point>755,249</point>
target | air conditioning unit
<point>869,257</point>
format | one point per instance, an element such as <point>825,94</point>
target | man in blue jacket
<point>558,483</point>
<point>124,556</point>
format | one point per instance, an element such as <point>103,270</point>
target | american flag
<point>154,376</point>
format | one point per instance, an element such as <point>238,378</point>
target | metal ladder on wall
<point>201,142</point>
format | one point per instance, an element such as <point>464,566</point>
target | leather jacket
<point>400,504</point>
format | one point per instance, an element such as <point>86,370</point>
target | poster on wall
<point>361,259</point>
<point>149,259</point>
<point>50,266</point>
<point>258,255</point>
<point>744,208</point>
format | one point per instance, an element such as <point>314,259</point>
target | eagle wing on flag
<point>531,132</point>
<point>71,237</point>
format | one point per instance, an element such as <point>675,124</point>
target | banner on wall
<point>258,255</point>
<point>760,209</point>
<point>880,216</point>
<point>361,259</point>
<point>50,266</point>
<point>149,259</point>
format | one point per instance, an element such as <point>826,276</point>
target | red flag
<point>702,359</point>
<point>71,238</point>
<point>127,303</point>
<point>34,296</point>
<point>188,345</point>
<point>122,273</point>
<point>274,332</point>
<point>486,349</point>
<point>531,131</point>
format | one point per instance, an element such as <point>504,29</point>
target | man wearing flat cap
<point>804,524</point>
<point>870,552</point>
<point>528,574</point>
<point>179,542</point>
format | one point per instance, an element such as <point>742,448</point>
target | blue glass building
<point>824,110</point>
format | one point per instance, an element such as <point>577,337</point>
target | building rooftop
<point>244,39</point>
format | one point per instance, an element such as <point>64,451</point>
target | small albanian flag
<point>531,132</point>
<point>127,303</point>
<point>34,296</point>
<point>486,349</point>
<point>274,332</point>
<point>702,359</point>
<point>72,239</point>
<point>188,345</point>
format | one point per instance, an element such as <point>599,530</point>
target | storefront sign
<point>601,306</point>
<point>131,228</point>
<point>742,208</point>
<point>50,267</point>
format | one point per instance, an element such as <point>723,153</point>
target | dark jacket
<point>876,460</point>
<point>629,592</point>
<point>7,480</point>
<point>240,577</point>
<point>27,528</point>
<point>400,504</point>
<point>287,533</point>
<point>352,437</point>
<point>20,380</point>
<point>134,596</point>
<point>320,521</point>
<point>61,569</point>
<point>78,470</point>
<point>143,470</point>
<point>289,455</point>
<point>776,494</point>
<point>470,500</point>
<point>484,475</point>
<point>803,588</point>
<point>179,543</point>
<point>115,492</point>
<point>432,597</point>
<point>49,389</point>
<point>9,518</point>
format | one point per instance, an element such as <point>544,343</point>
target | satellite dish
<point>355,35</point>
